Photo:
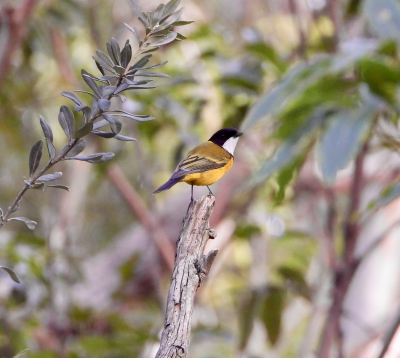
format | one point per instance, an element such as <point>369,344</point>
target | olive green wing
<point>196,164</point>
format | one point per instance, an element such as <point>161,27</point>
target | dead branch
<point>190,269</point>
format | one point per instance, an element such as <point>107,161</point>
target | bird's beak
<point>238,134</point>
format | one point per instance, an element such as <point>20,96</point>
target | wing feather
<point>195,164</point>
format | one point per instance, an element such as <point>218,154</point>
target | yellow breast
<point>208,177</point>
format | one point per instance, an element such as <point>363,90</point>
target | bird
<point>206,163</point>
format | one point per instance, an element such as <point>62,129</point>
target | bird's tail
<point>169,184</point>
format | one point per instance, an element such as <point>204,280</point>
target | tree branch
<point>137,205</point>
<point>15,19</point>
<point>191,267</point>
<point>345,271</point>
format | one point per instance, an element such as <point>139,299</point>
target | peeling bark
<point>190,269</point>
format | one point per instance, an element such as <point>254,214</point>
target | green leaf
<point>268,53</point>
<point>35,156</point>
<point>247,312</point>
<point>342,139</point>
<point>291,148</point>
<point>381,77</point>
<point>271,313</point>
<point>181,23</point>
<point>49,177</point>
<point>247,231</point>
<point>296,80</point>
<point>11,273</point>
<point>29,223</point>
<point>180,37</point>
<point>384,18</point>
<point>67,121</point>
<point>48,134</point>
<point>285,176</point>
<point>296,279</point>
<point>386,196</point>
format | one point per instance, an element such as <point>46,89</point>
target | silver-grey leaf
<point>104,104</point>
<point>50,177</point>
<point>29,223</point>
<point>94,158</point>
<point>115,124</point>
<point>124,138</point>
<point>11,273</point>
<point>165,40</point>
<point>35,156</point>
<point>48,133</point>
<point>72,97</point>
<point>58,186</point>
<point>77,148</point>
<point>67,121</point>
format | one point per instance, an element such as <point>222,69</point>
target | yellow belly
<point>208,177</point>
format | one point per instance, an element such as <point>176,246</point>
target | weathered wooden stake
<point>190,269</point>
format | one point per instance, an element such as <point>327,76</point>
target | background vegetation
<point>307,219</point>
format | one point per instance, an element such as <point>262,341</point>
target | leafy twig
<point>118,75</point>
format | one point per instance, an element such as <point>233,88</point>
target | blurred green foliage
<point>302,94</point>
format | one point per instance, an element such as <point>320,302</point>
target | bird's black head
<point>223,135</point>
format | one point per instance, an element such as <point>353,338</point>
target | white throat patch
<point>230,144</point>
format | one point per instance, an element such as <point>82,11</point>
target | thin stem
<point>344,272</point>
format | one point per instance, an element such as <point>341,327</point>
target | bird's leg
<point>210,191</point>
<point>191,198</point>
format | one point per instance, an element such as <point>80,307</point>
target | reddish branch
<point>15,19</point>
<point>346,268</point>
<point>147,219</point>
